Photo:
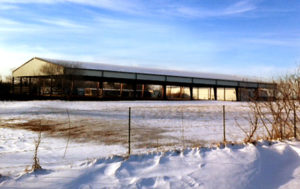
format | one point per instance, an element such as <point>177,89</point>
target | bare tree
<point>278,117</point>
<point>51,69</point>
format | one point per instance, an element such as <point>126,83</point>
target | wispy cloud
<point>6,21</point>
<point>62,23</point>
<point>239,7</point>
<point>7,7</point>
<point>10,25</point>
<point>201,12</point>
<point>142,7</point>
<point>126,6</point>
<point>119,24</point>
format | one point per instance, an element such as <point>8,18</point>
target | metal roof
<point>135,69</point>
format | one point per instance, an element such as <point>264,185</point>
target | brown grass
<point>100,131</point>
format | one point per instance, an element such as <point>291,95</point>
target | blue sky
<point>252,38</point>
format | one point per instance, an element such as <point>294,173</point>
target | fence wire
<point>70,136</point>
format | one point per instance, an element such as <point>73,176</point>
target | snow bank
<point>242,166</point>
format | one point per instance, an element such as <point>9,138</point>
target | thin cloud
<point>133,7</point>
<point>239,7</point>
<point>5,21</point>
<point>192,12</point>
<point>62,23</point>
<point>7,7</point>
<point>9,25</point>
<point>126,6</point>
<point>142,7</point>
<point>120,24</point>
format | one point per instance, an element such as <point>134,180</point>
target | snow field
<point>154,124</point>
<point>97,144</point>
<point>241,166</point>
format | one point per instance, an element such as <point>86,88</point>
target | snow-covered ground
<point>89,151</point>
<point>243,166</point>
<point>154,124</point>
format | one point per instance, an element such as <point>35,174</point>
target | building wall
<point>53,79</point>
<point>36,67</point>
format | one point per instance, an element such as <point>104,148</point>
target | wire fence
<point>70,136</point>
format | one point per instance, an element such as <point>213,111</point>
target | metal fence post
<point>281,133</point>
<point>295,122</point>
<point>129,128</point>
<point>182,129</point>
<point>224,126</point>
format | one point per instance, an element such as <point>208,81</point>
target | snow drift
<point>239,166</point>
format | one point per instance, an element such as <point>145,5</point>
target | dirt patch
<point>85,130</point>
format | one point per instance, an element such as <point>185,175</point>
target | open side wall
<point>42,78</point>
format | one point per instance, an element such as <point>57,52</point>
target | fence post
<point>281,134</point>
<point>129,128</point>
<point>295,122</point>
<point>182,129</point>
<point>224,126</point>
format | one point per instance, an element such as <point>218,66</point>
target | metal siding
<point>245,84</point>
<point>179,79</point>
<point>118,75</point>
<point>227,83</point>
<point>205,81</point>
<point>151,77</point>
<point>90,73</point>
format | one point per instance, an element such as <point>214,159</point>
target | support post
<point>129,130</point>
<point>164,91</point>
<point>101,88</point>
<point>134,90</point>
<point>72,88</point>
<point>121,89</point>
<point>237,93</point>
<point>39,86</point>
<point>98,89</point>
<point>21,85</point>
<point>44,85</point>
<point>224,124</point>
<point>13,85</point>
<point>51,86</point>
<point>62,86</point>
<point>191,92</point>
<point>143,91</point>
<point>215,93</point>
<point>30,86</point>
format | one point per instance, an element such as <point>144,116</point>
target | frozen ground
<point>79,153</point>
<point>154,124</point>
<point>258,167</point>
